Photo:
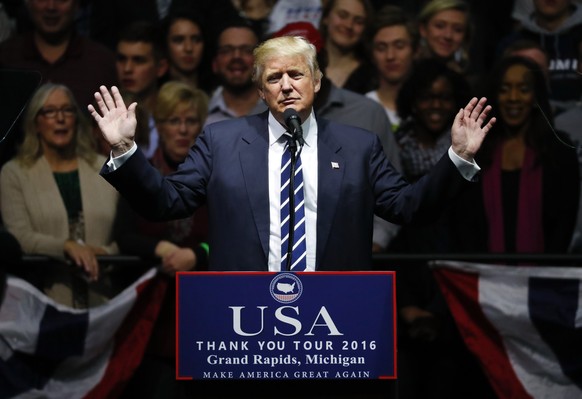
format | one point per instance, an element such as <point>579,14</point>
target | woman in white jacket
<point>53,200</point>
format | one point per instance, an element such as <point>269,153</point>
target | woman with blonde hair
<point>445,29</point>
<point>53,199</point>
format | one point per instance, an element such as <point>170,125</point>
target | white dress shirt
<point>309,162</point>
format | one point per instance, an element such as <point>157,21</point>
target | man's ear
<point>261,94</point>
<point>317,83</point>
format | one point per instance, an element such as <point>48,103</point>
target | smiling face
<point>185,46</point>
<point>52,17</point>
<point>287,82</point>
<point>435,107</point>
<point>56,130</point>
<point>445,32</point>
<point>234,57</point>
<point>345,23</point>
<point>516,96</point>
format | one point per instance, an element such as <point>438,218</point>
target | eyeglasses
<point>51,113</point>
<point>246,50</point>
<point>177,122</point>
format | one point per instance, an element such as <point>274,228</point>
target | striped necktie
<point>299,252</point>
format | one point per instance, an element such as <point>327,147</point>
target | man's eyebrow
<point>274,74</point>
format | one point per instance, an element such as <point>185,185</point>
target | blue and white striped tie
<point>299,262</point>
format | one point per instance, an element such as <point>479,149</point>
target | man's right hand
<point>116,121</point>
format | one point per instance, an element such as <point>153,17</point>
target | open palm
<point>116,121</point>
<point>469,128</point>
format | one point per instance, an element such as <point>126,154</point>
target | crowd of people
<point>399,69</point>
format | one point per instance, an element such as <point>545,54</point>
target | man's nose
<point>127,66</point>
<point>286,83</point>
<point>390,52</point>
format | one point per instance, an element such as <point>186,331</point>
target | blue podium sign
<point>305,325</point>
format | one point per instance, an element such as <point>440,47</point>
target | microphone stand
<point>293,148</point>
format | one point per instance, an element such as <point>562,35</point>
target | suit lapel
<point>331,166</point>
<point>254,164</point>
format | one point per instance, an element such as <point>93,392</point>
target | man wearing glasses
<point>236,94</point>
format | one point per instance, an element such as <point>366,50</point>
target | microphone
<point>293,123</point>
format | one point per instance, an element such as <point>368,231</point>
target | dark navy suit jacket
<point>227,169</point>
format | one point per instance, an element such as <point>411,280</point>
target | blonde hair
<point>173,94</point>
<point>433,7</point>
<point>31,149</point>
<point>285,46</point>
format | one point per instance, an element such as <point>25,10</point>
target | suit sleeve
<point>161,198</point>
<point>419,203</point>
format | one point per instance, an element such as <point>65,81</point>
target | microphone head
<point>293,123</point>
<point>290,114</point>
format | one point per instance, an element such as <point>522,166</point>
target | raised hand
<point>116,121</point>
<point>468,132</point>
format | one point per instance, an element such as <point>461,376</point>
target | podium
<point>319,333</point>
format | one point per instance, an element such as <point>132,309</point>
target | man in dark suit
<point>235,168</point>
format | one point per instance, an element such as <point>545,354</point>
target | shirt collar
<point>276,130</point>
